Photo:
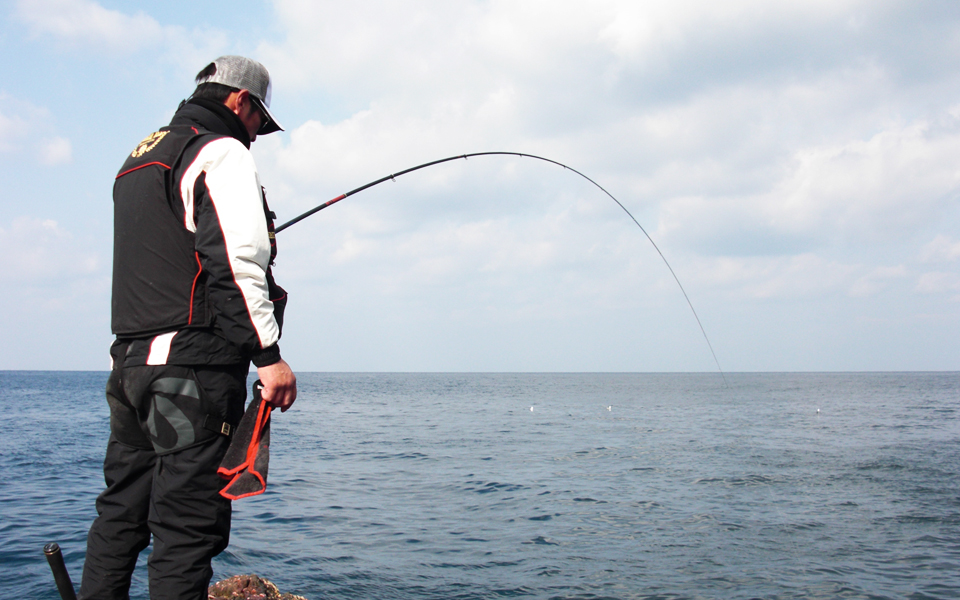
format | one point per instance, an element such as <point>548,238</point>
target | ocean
<point>586,486</point>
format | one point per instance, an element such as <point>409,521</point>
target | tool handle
<point>60,575</point>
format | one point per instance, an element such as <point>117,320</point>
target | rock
<point>247,587</point>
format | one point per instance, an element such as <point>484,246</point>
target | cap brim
<point>271,124</point>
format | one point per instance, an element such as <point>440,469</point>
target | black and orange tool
<point>246,461</point>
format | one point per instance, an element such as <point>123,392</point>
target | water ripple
<point>683,490</point>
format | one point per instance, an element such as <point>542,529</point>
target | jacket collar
<point>212,116</point>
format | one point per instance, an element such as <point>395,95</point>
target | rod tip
<point>51,548</point>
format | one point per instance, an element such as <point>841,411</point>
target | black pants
<point>161,474</point>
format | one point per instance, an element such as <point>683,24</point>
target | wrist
<point>266,357</point>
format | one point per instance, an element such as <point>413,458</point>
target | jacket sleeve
<point>223,205</point>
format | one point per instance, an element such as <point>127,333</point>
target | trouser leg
<point>161,479</point>
<point>189,519</point>
<point>120,531</point>
<point>190,522</point>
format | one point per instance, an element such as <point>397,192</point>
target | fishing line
<point>392,177</point>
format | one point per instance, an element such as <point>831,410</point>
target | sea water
<point>479,486</point>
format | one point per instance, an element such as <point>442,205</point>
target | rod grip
<point>60,575</point>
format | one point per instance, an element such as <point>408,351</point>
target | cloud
<point>804,275</point>
<point>14,129</point>
<point>939,282</point>
<point>57,313</point>
<point>56,151</point>
<point>654,33</point>
<point>88,23</point>
<point>777,152</point>
<point>24,129</point>
<point>799,151</point>
<point>764,147</point>
<point>855,192</point>
<point>901,177</point>
<point>43,253</point>
<point>877,280</point>
<point>942,248</point>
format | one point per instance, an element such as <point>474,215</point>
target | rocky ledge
<point>247,587</point>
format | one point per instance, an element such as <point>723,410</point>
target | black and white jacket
<point>193,245</point>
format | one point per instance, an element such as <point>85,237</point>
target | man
<point>194,302</point>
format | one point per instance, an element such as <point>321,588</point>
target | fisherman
<point>194,302</point>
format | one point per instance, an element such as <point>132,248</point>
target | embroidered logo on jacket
<point>149,143</point>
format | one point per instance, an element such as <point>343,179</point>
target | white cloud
<point>56,151</point>
<point>938,282</point>
<point>942,248</point>
<point>804,275</point>
<point>776,151</point>
<point>754,174</point>
<point>41,252</point>
<point>797,157</point>
<point>876,281</point>
<point>23,127</point>
<point>649,32</point>
<point>56,311</point>
<point>517,254</point>
<point>14,129</point>
<point>901,177</point>
<point>852,193</point>
<point>87,22</point>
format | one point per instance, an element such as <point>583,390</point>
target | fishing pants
<point>169,430</point>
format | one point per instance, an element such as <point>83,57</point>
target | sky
<point>797,163</point>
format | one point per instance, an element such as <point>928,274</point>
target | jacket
<point>193,245</point>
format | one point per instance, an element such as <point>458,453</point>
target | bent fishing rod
<point>393,176</point>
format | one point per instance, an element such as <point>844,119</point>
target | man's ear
<point>236,100</point>
<point>243,98</point>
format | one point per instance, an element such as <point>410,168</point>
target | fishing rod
<point>393,176</point>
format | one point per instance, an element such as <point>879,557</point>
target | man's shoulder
<point>220,150</point>
<point>215,153</point>
<point>162,148</point>
<point>218,142</point>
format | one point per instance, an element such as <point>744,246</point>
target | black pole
<point>60,575</point>
<point>316,209</point>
